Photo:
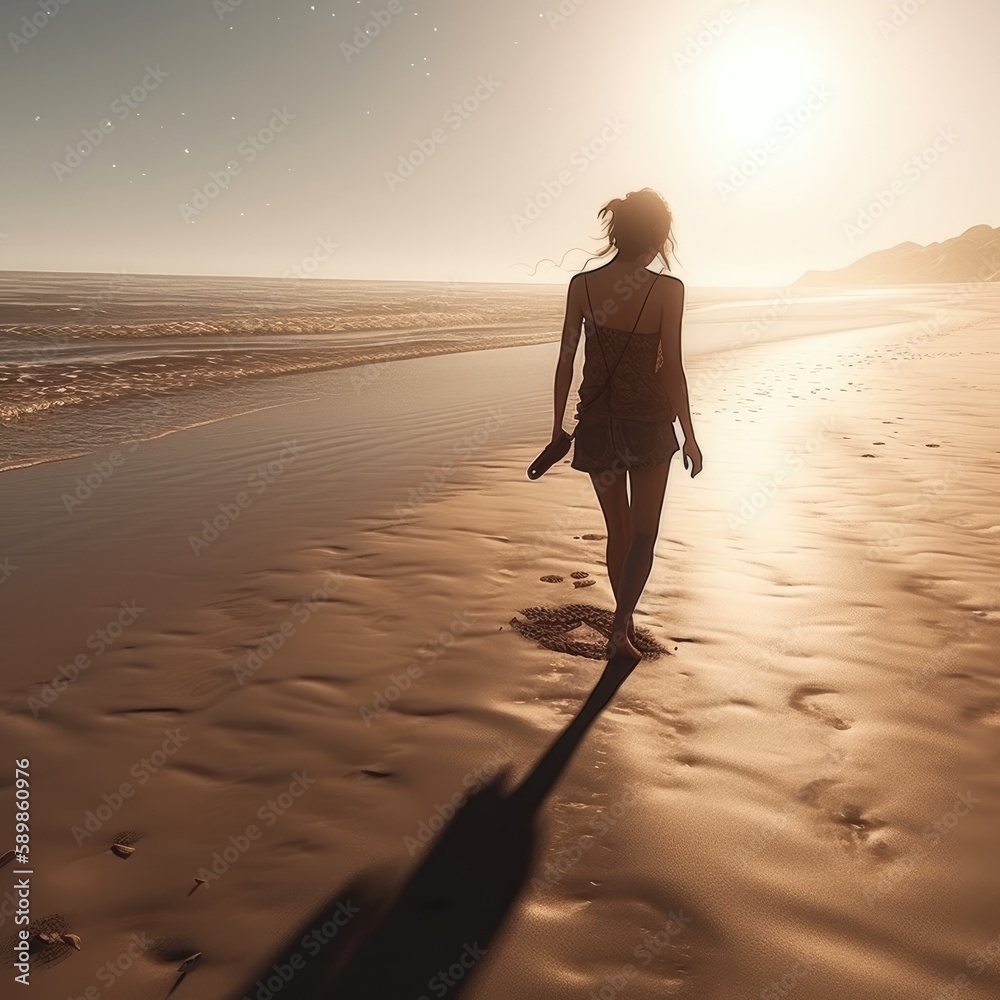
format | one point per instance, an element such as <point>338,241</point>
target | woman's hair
<point>637,223</point>
<point>633,225</point>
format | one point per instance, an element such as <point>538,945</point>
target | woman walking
<point>633,388</point>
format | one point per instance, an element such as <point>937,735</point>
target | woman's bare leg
<point>648,487</point>
<point>612,494</point>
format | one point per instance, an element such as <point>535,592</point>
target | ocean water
<point>88,361</point>
<point>86,358</point>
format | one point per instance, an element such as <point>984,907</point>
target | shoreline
<point>85,410</point>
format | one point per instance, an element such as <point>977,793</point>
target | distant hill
<point>973,256</point>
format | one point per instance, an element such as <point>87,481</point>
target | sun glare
<point>751,82</point>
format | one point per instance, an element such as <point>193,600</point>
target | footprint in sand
<point>579,629</point>
<point>594,538</point>
<point>584,583</point>
<point>165,714</point>
<point>579,574</point>
<point>804,700</point>
<point>373,771</point>
<point>932,446</point>
<point>856,829</point>
<point>551,578</point>
<point>869,455</point>
<point>852,824</point>
<point>811,793</point>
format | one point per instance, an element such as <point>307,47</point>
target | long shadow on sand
<point>449,910</point>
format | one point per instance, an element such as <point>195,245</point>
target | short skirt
<point>604,442</point>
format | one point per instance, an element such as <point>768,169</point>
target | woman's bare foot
<point>621,645</point>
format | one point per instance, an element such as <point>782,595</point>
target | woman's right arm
<point>572,324</point>
<point>674,379</point>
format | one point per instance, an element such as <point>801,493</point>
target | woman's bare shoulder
<point>670,288</point>
<point>678,285</point>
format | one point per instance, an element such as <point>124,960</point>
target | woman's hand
<point>557,435</point>
<point>693,453</point>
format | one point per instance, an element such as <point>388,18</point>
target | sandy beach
<point>273,655</point>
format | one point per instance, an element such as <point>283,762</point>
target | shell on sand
<point>189,963</point>
<point>55,937</point>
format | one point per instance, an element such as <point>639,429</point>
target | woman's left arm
<point>567,355</point>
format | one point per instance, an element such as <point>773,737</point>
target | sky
<point>470,141</point>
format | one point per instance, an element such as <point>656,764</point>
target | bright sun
<point>751,82</point>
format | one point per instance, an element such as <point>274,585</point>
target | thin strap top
<point>636,390</point>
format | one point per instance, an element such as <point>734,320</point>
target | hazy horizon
<point>458,143</point>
